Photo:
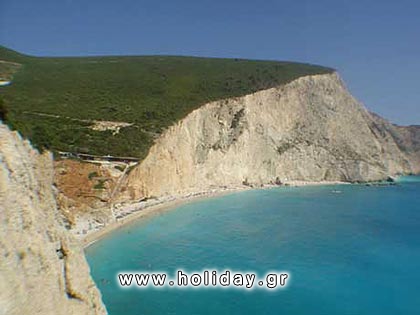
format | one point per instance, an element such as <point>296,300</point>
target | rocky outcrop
<point>42,268</point>
<point>407,139</point>
<point>311,129</point>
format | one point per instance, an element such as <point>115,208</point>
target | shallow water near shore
<point>350,249</point>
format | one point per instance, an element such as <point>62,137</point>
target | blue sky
<point>375,45</point>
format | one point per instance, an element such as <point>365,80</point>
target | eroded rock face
<point>311,129</point>
<point>406,137</point>
<point>42,268</point>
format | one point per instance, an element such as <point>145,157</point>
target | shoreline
<point>136,211</point>
<point>148,211</point>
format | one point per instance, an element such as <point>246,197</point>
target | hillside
<point>54,101</point>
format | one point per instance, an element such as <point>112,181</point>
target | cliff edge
<point>311,129</point>
<point>42,268</point>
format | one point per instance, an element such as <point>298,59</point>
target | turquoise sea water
<point>354,252</point>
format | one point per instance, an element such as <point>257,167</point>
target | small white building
<point>4,82</point>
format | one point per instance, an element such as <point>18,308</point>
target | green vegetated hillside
<point>53,100</point>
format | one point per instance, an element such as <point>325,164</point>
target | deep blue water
<point>355,252</point>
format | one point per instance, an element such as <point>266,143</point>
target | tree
<point>41,138</point>
<point>3,110</point>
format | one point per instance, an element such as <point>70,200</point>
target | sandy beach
<point>138,211</point>
<point>141,210</point>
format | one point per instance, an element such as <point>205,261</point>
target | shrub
<point>92,175</point>
<point>3,110</point>
<point>100,185</point>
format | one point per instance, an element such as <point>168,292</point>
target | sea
<point>348,249</point>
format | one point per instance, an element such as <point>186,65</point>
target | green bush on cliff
<point>3,110</point>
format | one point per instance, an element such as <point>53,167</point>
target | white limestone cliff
<point>311,129</point>
<point>42,267</point>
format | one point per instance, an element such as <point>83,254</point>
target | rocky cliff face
<point>42,268</point>
<point>407,138</point>
<point>311,129</point>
